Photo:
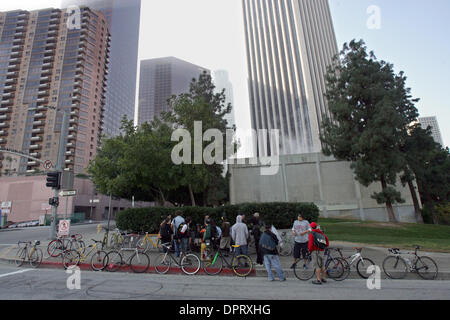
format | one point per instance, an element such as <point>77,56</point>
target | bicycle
<point>241,265</point>
<point>396,267</point>
<point>33,254</point>
<point>189,263</point>
<point>75,257</point>
<point>361,265</point>
<point>145,241</point>
<point>335,267</point>
<point>61,244</point>
<point>138,262</point>
<point>120,239</point>
<point>285,247</point>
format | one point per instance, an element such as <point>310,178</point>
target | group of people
<point>180,232</point>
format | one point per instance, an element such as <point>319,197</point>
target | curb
<point>258,273</point>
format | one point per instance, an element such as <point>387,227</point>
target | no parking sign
<point>63,228</point>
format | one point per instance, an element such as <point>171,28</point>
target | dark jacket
<point>268,243</point>
<point>166,233</point>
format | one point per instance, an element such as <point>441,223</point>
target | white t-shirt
<point>299,227</point>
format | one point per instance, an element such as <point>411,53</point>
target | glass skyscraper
<point>123,18</point>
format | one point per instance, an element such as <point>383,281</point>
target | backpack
<point>182,228</point>
<point>165,232</point>
<point>210,233</point>
<point>319,240</point>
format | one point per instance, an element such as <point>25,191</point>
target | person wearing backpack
<point>317,243</point>
<point>176,235</point>
<point>268,247</point>
<point>165,232</point>
<point>185,235</point>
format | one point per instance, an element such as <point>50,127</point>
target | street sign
<point>6,204</point>
<point>68,193</point>
<point>64,228</point>
<point>48,165</point>
<point>94,201</point>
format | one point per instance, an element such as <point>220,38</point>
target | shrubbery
<point>281,215</point>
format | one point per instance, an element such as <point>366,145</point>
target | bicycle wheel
<point>97,260</point>
<point>70,258</point>
<point>285,249</point>
<point>362,266</point>
<point>21,256</point>
<point>303,271</point>
<point>395,267</point>
<point>212,267</point>
<point>142,244</point>
<point>162,264</point>
<point>335,268</point>
<point>55,248</point>
<point>113,261</point>
<point>36,258</point>
<point>242,265</point>
<point>139,262</point>
<point>426,268</point>
<point>346,269</point>
<point>190,264</point>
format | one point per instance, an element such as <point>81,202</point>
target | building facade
<point>123,17</point>
<point>432,122</point>
<point>44,62</point>
<point>289,45</point>
<point>222,81</point>
<point>160,79</point>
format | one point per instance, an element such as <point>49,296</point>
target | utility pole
<point>59,168</point>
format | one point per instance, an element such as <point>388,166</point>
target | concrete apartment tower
<point>43,63</point>
<point>123,17</point>
<point>160,79</point>
<point>289,45</point>
<point>222,81</point>
<point>432,122</point>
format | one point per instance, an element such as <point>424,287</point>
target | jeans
<point>184,245</point>
<point>271,260</point>
<point>241,250</point>
<point>177,247</point>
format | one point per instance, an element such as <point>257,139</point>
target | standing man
<point>268,247</point>
<point>300,229</point>
<point>316,245</point>
<point>225,241</point>
<point>256,231</point>
<point>176,234</point>
<point>239,234</point>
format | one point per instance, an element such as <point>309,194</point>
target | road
<point>51,284</point>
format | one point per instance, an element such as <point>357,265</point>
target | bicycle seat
<point>236,246</point>
<point>37,242</point>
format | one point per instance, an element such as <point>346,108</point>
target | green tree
<point>370,110</point>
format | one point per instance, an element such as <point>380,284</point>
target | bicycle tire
<point>21,256</point>
<point>139,262</point>
<point>420,265</point>
<point>346,268</point>
<point>190,264</point>
<point>113,260</point>
<point>213,269</point>
<point>334,268</point>
<point>36,258</point>
<point>285,249</point>
<point>55,248</point>
<point>395,267</point>
<point>98,259</point>
<point>302,273</point>
<point>242,265</point>
<point>70,258</point>
<point>162,263</point>
<point>362,265</point>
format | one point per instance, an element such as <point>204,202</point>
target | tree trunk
<point>419,218</point>
<point>162,198</point>
<point>191,194</point>
<point>390,209</point>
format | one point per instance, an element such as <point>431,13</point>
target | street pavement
<point>51,284</point>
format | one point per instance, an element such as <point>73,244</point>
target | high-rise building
<point>432,122</point>
<point>160,79</point>
<point>45,64</point>
<point>289,45</point>
<point>123,18</point>
<point>222,81</point>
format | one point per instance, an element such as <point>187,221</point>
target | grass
<point>401,235</point>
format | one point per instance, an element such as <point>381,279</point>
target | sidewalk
<point>377,254</point>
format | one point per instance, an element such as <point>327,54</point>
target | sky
<point>413,35</point>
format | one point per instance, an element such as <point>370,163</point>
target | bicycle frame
<point>149,238</point>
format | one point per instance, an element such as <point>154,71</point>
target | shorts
<point>317,259</point>
<point>300,249</point>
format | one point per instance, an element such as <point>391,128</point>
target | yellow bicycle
<point>151,241</point>
<point>30,252</point>
<point>75,257</point>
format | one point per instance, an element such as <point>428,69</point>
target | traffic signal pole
<point>59,168</point>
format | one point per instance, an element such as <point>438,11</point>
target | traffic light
<point>53,180</point>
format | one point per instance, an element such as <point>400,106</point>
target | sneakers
<point>305,267</point>
<point>324,280</point>
<point>316,282</point>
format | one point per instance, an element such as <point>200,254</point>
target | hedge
<point>280,214</point>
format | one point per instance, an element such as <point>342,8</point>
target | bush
<point>280,214</point>
<point>443,213</point>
